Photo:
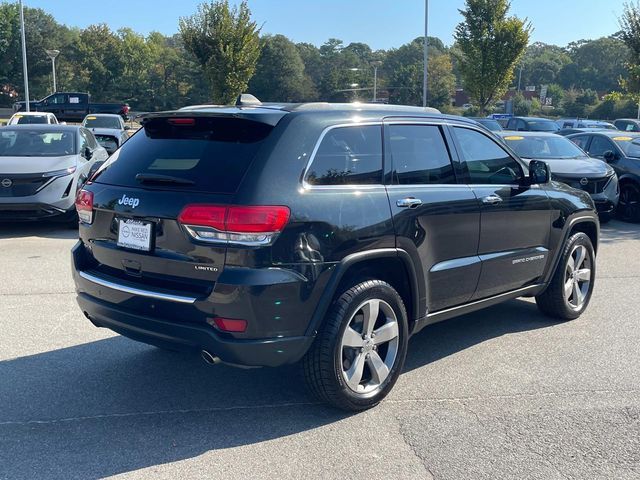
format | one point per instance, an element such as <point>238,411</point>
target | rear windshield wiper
<point>155,178</point>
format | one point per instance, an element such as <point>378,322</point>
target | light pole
<point>520,76</point>
<point>426,52</point>
<point>24,60</point>
<point>375,80</point>
<point>52,54</point>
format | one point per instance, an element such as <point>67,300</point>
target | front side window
<point>348,156</point>
<point>485,160</point>
<point>581,141</point>
<point>600,145</point>
<point>419,155</point>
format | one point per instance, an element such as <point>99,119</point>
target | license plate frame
<point>135,234</point>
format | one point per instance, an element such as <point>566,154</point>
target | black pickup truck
<point>73,106</point>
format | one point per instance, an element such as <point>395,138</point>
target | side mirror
<point>88,153</point>
<point>127,127</point>
<point>609,156</point>
<point>539,172</point>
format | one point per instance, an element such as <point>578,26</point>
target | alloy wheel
<point>577,280</point>
<point>369,346</point>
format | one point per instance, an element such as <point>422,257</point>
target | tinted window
<point>212,153</point>
<point>581,141</point>
<point>348,156</point>
<point>599,145</point>
<point>419,155</point>
<point>486,161</point>
<point>32,119</point>
<point>542,125</point>
<point>93,121</point>
<point>492,125</point>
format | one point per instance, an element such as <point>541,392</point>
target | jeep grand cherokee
<point>328,234</point>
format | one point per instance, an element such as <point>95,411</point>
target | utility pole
<point>426,52</point>
<point>24,60</point>
<point>520,76</point>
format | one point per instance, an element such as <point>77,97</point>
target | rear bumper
<point>193,337</point>
<point>278,314</point>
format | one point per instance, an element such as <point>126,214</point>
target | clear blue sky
<point>380,23</point>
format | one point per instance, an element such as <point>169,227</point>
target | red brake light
<point>84,206</point>
<point>248,225</point>
<point>229,324</point>
<point>182,121</point>
<point>203,216</point>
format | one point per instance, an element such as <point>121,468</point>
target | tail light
<point>84,206</point>
<point>243,225</point>
<point>125,110</point>
<point>182,121</point>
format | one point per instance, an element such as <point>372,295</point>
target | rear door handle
<point>492,199</point>
<point>409,202</point>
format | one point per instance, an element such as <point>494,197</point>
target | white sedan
<point>110,130</point>
<point>33,118</point>
<point>41,169</point>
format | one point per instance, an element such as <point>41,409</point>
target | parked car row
<point>605,163</point>
<point>44,163</point>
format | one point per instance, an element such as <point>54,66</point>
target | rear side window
<point>419,155</point>
<point>600,145</point>
<point>209,154</point>
<point>348,156</point>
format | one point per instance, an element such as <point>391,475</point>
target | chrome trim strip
<point>136,291</point>
<point>484,300</point>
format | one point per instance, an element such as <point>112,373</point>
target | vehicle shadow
<point>114,406</point>
<point>42,229</point>
<point>451,336</point>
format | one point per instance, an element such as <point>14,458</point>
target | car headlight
<point>60,173</point>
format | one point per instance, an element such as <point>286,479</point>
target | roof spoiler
<point>247,100</point>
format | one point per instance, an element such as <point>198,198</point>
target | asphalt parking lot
<point>503,393</point>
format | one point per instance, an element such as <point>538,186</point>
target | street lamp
<point>52,54</point>
<point>376,64</point>
<point>24,60</point>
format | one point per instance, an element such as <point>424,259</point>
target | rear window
<point>211,154</point>
<point>94,121</point>
<point>32,120</point>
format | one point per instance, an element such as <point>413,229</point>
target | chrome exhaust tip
<point>210,359</point>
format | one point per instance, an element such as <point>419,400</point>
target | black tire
<point>629,203</point>
<point>324,363</point>
<point>553,302</point>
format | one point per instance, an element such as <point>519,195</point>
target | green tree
<point>226,42</point>
<point>630,35</point>
<point>491,44</point>
<point>596,64</point>
<point>405,67</point>
<point>280,75</point>
<point>542,63</point>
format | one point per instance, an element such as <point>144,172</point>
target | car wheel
<point>570,289</point>
<point>629,203</point>
<point>360,349</point>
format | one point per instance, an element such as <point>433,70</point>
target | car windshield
<point>31,119</point>
<point>95,121</point>
<point>34,143</point>
<point>630,145</point>
<point>547,147</point>
<point>543,126</point>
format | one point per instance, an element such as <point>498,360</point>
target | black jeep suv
<point>328,234</point>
